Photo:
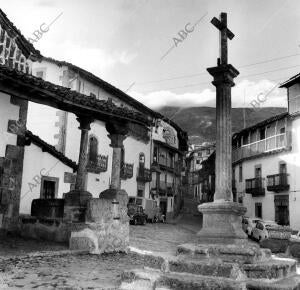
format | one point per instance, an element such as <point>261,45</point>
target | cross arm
<point>218,24</point>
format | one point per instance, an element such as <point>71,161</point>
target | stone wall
<point>107,226</point>
<point>11,169</point>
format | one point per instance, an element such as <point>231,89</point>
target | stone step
<point>159,280</point>
<point>207,268</point>
<point>290,283</point>
<point>271,269</point>
<point>245,253</point>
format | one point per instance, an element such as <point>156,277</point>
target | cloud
<point>95,60</point>
<point>261,90</point>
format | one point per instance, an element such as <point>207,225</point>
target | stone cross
<point>224,34</point>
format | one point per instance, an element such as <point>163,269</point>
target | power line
<point>205,83</point>
<point>205,73</point>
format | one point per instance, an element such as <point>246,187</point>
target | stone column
<point>222,218</point>
<point>84,122</point>
<point>76,200</point>
<point>117,134</point>
<point>223,81</point>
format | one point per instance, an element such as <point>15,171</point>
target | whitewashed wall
<point>270,165</point>
<point>36,164</point>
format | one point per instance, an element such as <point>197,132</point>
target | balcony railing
<point>144,174</point>
<point>278,182</point>
<point>269,144</point>
<point>100,165</point>
<point>126,171</point>
<point>255,186</point>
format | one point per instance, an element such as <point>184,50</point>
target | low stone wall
<point>49,229</point>
<point>107,225</point>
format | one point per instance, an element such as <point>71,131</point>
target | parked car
<point>260,232</point>
<point>248,224</point>
<point>136,214</point>
<point>295,237</point>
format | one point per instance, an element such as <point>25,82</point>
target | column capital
<point>116,140</point>
<point>223,75</point>
<point>84,122</point>
<point>117,133</point>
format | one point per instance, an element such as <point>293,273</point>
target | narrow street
<point>83,271</point>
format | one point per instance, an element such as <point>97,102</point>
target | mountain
<point>200,122</point>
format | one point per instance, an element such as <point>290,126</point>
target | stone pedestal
<point>75,205</point>
<point>107,224</point>
<point>222,223</point>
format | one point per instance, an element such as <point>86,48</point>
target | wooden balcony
<point>255,186</point>
<point>278,182</point>
<point>269,144</point>
<point>144,174</point>
<point>126,171</point>
<point>100,165</point>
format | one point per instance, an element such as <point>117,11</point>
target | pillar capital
<point>223,75</point>
<point>116,140</point>
<point>117,133</point>
<point>84,122</point>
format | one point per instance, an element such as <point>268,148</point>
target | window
<point>258,209</point>
<point>142,158</point>
<point>93,149</point>
<point>198,161</point>
<point>40,74</point>
<point>257,171</point>
<point>240,173</point>
<point>282,168</point>
<point>140,193</point>
<point>49,187</point>
<point>200,154</point>
<point>262,134</point>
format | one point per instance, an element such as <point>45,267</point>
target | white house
<point>140,146</point>
<point>266,163</point>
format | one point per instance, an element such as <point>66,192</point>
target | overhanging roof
<point>46,147</point>
<point>35,89</point>
<point>291,81</point>
<point>115,91</point>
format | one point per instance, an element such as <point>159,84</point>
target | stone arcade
<point>222,257</point>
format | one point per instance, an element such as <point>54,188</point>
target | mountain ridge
<point>199,122</point>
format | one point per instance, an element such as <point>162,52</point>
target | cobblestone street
<point>81,271</point>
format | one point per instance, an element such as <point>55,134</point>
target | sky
<point>135,45</point>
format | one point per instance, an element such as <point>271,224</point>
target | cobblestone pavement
<point>159,237</point>
<point>83,271</point>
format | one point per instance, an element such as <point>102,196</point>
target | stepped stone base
<point>218,268</point>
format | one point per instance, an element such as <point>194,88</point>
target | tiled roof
<point>262,123</point>
<point>26,47</point>
<point>64,98</point>
<point>50,149</point>
<point>291,81</point>
<point>115,91</point>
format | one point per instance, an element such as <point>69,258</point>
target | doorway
<point>282,216</point>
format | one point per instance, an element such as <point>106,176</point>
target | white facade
<point>67,137</point>
<point>274,152</point>
<point>35,172</point>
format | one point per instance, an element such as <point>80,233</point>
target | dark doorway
<point>163,207</point>
<point>282,216</point>
<point>49,187</point>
